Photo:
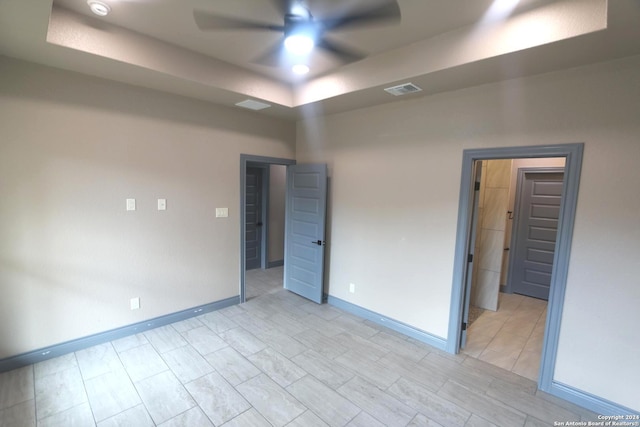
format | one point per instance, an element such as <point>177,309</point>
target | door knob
<point>319,242</point>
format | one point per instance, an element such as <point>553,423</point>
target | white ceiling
<point>439,45</point>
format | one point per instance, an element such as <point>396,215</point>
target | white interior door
<point>304,230</point>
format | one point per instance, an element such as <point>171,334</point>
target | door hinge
<point>470,258</point>
<point>477,186</point>
<point>464,326</point>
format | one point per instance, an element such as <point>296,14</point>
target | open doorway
<point>517,215</point>
<point>262,210</point>
<point>265,189</point>
<point>465,247</point>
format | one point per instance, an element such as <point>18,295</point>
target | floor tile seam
<point>143,403</point>
<point>355,354</point>
<point>343,394</point>
<point>539,399</point>
<point>149,376</point>
<point>197,405</point>
<point>84,388</point>
<point>422,384</point>
<point>486,357</point>
<point>189,344</point>
<point>526,351</point>
<point>278,385</point>
<point>135,388</point>
<point>17,404</point>
<point>195,379</point>
<point>33,390</point>
<point>39,378</point>
<point>267,373</point>
<point>374,344</point>
<point>506,351</point>
<point>130,348</point>
<point>509,339</point>
<point>487,396</point>
<point>110,371</point>
<point>39,420</point>
<point>286,388</point>
<point>238,415</point>
<point>388,389</point>
<point>320,379</point>
<point>363,353</point>
<point>185,330</point>
<point>166,351</point>
<point>35,402</point>
<point>508,384</point>
<point>571,407</point>
<point>505,402</point>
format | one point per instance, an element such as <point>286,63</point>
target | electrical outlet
<point>222,212</point>
<point>135,303</point>
<point>352,288</point>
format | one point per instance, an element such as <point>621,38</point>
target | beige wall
<point>277,192</point>
<point>72,149</point>
<point>395,172</point>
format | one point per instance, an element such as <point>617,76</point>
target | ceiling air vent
<point>253,105</point>
<point>403,89</point>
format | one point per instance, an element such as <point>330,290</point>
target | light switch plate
<point>131,204</point>
<point>162,204</point>
<point>222,212</point>
<point>135,303</point>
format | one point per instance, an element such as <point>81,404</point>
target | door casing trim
<point>573,154</point>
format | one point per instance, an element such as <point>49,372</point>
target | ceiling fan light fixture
<point>99,8</point>
<point>299,44</point>
<point>300,69</point>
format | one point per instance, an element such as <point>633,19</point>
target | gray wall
<point>72,149</point>
<point>395,173</point>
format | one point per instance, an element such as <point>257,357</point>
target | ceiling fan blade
<point>283,6</point>
<point>272,57</point>
<point>388,12</point>
<point>208,21</point>
<point>344,54</point>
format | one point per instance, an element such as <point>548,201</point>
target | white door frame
<point>244,159</point>
<point>573,164</point>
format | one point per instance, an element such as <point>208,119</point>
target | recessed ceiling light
<point>98,7</point>
<point>300,69</point>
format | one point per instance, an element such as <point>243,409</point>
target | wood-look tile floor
<point>277,360</point>
<point>511,337</point>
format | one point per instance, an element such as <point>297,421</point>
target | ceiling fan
<point>302,32</point>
